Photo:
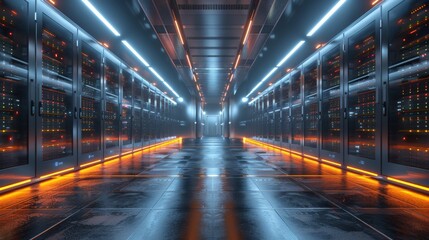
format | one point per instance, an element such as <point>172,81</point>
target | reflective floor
<point>213,189</point>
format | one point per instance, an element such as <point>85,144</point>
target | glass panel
<point>331,120</point>
<point>126,116</point>
<point>296,125</point>
<point>111,71</point>
<point>361,119</point>
<point>111,121</point>
<point>137,122</point>
<point>311,123</point>
<point>331,69</point>
<point>91,100</point>
<point>310,79</point>
<point>277,122</point>
<point>285,126</point>
<point>296,87</point>
<point>408,84</point>
<point>57,91</point>
<point>361,58</point>
<point>145,128</point>
<point>13,83</point>
<point>285,94</point>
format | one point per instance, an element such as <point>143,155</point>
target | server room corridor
<point>214,119</point>
<point>213,189</point>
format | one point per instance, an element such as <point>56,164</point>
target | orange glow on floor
<point>362,171</point>
<point>57,173</point>
<point>331,162</point>
<point>15,185</point>
<point>90,163</point>
<point>408,184</point>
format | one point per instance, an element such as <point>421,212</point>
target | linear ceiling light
<point>236,62</point>
<point>294,49</point>
<point>104,20</point>
<point>189,61</point>
<point>163,81</point>
<point>263,80</point>
<point>135,53</point>
<point>325,18</point>
<point>178,31</point>
<point>247,31</point>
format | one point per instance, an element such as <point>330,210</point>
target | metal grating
<point>213,6</point>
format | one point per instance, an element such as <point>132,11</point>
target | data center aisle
<point>213,189</point>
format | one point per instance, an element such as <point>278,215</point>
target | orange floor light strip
<point>408,184</point>
<point>56,173</point>
<point>111,157</point>
<point>90,163</point>
<point>331,162</point>
<point>362,171</point>
<point>14,185</point>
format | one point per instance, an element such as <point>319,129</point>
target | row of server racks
<point>65,100</point>
<point>360,101</point>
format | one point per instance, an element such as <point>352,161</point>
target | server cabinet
<point>138,114</point>
<point>17,101</point>
<point>126,111</point>
<point>285,123</point>
<point>157,122</point>
<point>56,125</point>
<point>152,117</point>
<point>331,107</point>
<point>271,117</point>
<point>311,107</point>
<point>90,96</point>
<point>406,85</point>
<point>361,95</point>
<point>277,116</point>
<point>296,111</point>
<point>146,111</point>
<point>111,106</point>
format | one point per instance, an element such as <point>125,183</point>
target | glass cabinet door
<point>126,112</point>
<point>361,98</point>
<point>331,107</point>
<point>311,106</point>
<point>408,86</point>
<point>56,103</point>
<point>91,96</point>
<point>14,74</point>
<point>112,112</point>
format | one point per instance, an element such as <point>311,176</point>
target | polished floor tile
<point>213,189</point>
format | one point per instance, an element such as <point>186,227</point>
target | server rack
<point>406,90</point>
<point>271,117</point>
<point>90,95</point>
<point>331,147</point>
<point>286,118</point>
<point>362,94</point>
<point>152,119</point>
<point>56,122</point>
<point>311,107</point>
<point>138,113</point>
<point>296,111</point>
<point>126,110</point>
<point>17,152</point>
<point>277,115</point>
<point>146,112</point>
<point>111,111</point>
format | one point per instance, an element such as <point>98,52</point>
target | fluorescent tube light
<point>325,18</point>
<point>263,80</point>
<point>294,49</point>
<point>98,14</point>
<point>163,81</point>
<point>135,53</point>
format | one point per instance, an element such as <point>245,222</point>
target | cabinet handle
<point>384,109</point>
<point>345,113</point>
<point>32,108</point>
<point>40,108</point>
<point>75,113</point>
<point>80,113</point>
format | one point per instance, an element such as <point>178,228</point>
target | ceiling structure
<point>204,39</point>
